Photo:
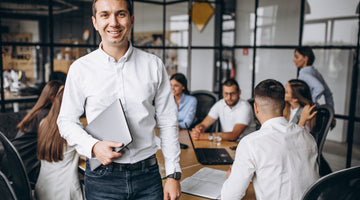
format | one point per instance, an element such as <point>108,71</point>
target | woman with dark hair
<point>58,178</point>
<point>186,103</point>
<point>304,58</point>
<point>25,140</point>
<point>31,121</point>
<point>298,104</point>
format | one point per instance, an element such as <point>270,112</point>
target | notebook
<point>211,156</point>
<point>110,125</point>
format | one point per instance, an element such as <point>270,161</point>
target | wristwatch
<point>176,176</point>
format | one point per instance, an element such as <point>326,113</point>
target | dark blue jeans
<point>107,183</point>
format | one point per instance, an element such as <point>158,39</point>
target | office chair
<point>343,184</point>
<point>9,121</point>
<point>324,117</point>
<point>251,102</point>
<point>205,100</point>
<point>13,168</point>
<point>26,143</point>
<point>6,191</point>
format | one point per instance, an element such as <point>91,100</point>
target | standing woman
<point>25,140</point>
<point>297,100</point>
<point>304,58</point>
<point>186,103</point>
<point>58,178</point>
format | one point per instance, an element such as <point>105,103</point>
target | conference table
<point>190,165</point>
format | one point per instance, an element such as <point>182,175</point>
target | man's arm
<point>235,133</point>
<point>72,107</point>
<point>198,132</point>
<point>166,116</point>
<point>241,173</point>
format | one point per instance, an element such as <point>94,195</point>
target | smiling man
<point>235,114</point>
<point>117,70</point>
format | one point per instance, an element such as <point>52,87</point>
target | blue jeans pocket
<point>98,172</point>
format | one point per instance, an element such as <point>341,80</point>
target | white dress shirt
<point>241,113</point>
<point>140,80</point>
<point>280,160</point>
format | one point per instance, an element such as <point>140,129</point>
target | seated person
<point>280,158</point>
<point>25,140</point>
<point>298,104</point>
<point>186,103</point>
<point>236,115</point>
<point>58,178</point>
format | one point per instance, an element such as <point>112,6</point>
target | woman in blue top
<point>185,102</point>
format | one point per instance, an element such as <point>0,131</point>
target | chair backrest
<point>9,121</point>
<point>324,117</point>
<point>6,190</point>
<point>343,184</point>
<point>257,123</point>
<point>13,168</point>
<point>205,100</point>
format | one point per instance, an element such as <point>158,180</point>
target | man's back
<point>280,159</point>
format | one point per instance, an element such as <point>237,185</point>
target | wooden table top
<point>190,165</point>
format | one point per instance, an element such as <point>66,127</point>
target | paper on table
<point>206,182</point>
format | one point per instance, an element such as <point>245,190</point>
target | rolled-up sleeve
<point>166,116</point>
<point>72,107</point>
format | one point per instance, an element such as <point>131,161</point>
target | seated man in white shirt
<point>236,115</point>
<point>280,158</point>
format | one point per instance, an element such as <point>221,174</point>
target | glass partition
<point>274,64</point>
<point>278,22</point>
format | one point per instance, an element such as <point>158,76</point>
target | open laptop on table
<point>211,156</point>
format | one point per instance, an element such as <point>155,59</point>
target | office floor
<point>335,154</point>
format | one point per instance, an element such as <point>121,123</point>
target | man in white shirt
<point>280,158</point>
<point>115,71</point>
<point>235,114</point>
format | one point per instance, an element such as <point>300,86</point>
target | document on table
<point>206,182</point>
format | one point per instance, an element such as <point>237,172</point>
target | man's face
<point>231,95</point>
<point>113,22</point>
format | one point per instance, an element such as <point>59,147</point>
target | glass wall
<point>279,30</point>
<point>34,44</point>
<point>39,42</point>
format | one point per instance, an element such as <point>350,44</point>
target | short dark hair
<point>179,77</point>
<point>231,82</point>
<point>272,92</point>
<point>128,2</point>
<point>307,51</point>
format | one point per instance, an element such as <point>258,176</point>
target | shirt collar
<point>234,107</point>
<point>273,120</point>
<point>106,56</point>
<point>307,68</point>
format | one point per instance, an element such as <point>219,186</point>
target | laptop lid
<point>110,125</point>
<point>188,130</point>
<point>211,156</point>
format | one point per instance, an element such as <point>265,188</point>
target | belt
<point>150,161</point>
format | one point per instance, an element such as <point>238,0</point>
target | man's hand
<point>172,189</point>
<point>103,151</point>
<point>196,131</point>
<point>228,172</point>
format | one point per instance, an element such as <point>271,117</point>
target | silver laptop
<point>110,125</point>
